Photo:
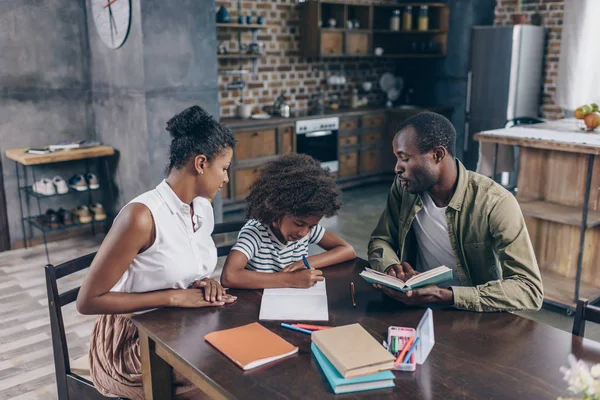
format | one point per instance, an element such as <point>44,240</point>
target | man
<point>438,213</point>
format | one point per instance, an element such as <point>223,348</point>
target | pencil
<point>312,327</point>
<point>352,293</point>
<point>305,261</point>
<point>294,328</point>
<point>404,350</point>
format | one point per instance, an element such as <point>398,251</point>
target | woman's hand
<point>304,279</point>
<point>195,298</point>
<point>213,291</point>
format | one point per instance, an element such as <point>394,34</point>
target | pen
<point>407,345</point>
<point>414,345</point>
<point>295,328</point>
<point>352,293</point>
<point>312,327</point>
<point>305,261</point>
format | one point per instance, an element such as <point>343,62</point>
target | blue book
<point>379,380</point>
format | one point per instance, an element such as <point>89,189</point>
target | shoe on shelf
<point>51,219</point>
<point>60,185</point>
<point>98,211</point>
<point>77,182</point>
<point>92,180</point>
<point>44,186</point>
<point>82,215</point>
<point>65,217</point>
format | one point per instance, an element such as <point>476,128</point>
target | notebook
<point>432,277</point>
<point>379,380</point>
<point>251,345</point>
<point>295,304</point>
<point>353,351</point>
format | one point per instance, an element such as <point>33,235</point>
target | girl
<point>158,253</point>
<point>285,205</point>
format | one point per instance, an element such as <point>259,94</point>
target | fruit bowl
<point>588,117</point>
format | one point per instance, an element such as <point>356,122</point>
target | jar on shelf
<point>395,21</point>
<point>424,18</point>
<point>407,19</point>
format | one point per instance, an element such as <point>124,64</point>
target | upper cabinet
<point>346,29</point>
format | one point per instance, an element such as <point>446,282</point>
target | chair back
<point>584,312</point>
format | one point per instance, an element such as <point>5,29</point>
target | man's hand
<point>213,291</point>
<point>426,295</point>
<point>298,265</point>
<point>401,271</point>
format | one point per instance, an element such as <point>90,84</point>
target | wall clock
<point>112,19</point>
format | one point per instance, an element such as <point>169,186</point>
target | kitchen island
<point>558,189</point>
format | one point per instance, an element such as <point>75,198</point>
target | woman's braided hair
<point>294,185</point>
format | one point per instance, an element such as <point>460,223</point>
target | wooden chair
<point>70,384</point>
<point>584,312</point>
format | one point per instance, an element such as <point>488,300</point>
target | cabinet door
<point>370,161</point>
<point>371,121</point>
<point>349,164</point>
<point>373,137</point>
<point>347,140</point>
<point>225,191</point>
<point>255,143</point>
<point>357,44</point>
<point>348,124</point>
<point>332,43</point>
<point>244,178</point>
<point>287,139</point>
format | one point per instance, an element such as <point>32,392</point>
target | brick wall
<point>551,12</point>
<point>284,68</point>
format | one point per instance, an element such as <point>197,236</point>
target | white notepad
<point>295,304</point>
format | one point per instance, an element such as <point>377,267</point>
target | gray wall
<point>161,69</point>
<point>44,83</point>
<point>58,81</point>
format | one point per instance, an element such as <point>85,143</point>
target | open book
<point>432,277</point>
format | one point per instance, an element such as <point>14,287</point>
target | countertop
<point>236,123</point>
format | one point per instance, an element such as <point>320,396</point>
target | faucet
<point>408,96</point>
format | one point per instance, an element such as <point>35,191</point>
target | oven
<point>319,139</point>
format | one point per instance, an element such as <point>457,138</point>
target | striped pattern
<point>265,253</point>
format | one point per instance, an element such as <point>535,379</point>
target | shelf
<point>29,191</point>
<point>429,32</point>
<point>402,5</point>
<point>558,213</point>
<point>242,26</point>
<point>238,56</point>
<point>34,221</point>
<point>23,158</point>
<point>560,290</point>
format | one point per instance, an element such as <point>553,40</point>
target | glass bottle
<point>395,21</point>
<point>424,18</point>
<point>407,19</point>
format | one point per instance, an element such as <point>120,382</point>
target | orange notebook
<point>251,345</point>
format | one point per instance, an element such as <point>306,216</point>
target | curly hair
<point>433,130</point>
<point>296,185</point>
<point>193,132</point>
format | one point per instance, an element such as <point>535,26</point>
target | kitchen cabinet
<point>364,148</point>
<point>343,28</point>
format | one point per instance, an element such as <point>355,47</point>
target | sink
<point>407,107</point>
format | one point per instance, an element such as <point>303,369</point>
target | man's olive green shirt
<point>494,257</point>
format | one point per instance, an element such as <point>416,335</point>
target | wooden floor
<point>26,365</point>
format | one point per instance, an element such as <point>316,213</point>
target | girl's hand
<point>294,267</point>
<point>213,291</point>
<point>195,298</point>
<point>305,279</point>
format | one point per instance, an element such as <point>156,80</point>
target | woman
<point>158,253</point>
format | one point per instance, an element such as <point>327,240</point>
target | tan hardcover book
<point>250,346</point>
<point>353,351</point>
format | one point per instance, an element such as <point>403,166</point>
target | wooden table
<point>497,356</point>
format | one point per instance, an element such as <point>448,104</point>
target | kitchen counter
<point>237,123</point>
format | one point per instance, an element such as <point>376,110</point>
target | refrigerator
<point>504,82</point>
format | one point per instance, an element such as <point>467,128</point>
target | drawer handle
<point>255,134</point>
